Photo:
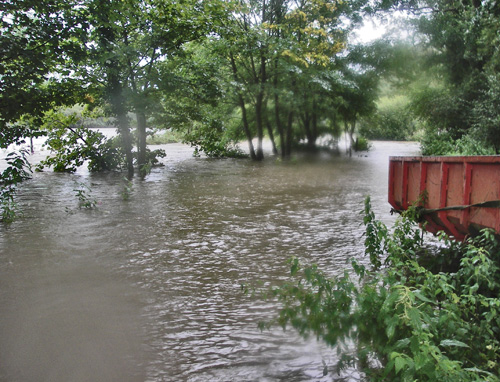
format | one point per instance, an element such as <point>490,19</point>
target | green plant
<point>442,143</point>
<point>18,170</point>
<point>128,188</point>
<point>72,145</point>
<point>409,317</point>
<point>8,206</point>
<point>85,199</point>
<point>362,144</point>
<point>392,121</point>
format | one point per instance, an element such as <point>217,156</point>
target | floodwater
<point>147,286</point>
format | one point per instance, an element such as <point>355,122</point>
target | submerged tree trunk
<point>260,129</point>
<point>308,123</point>
<point>288,137</point>
<point>120,112</point>
<point>349,130</point>
<point>246,127</point>
<point>351,134</point>
<point>260,79</point>
<point>271,135</point>
<point>314,128</point>
<point>114,87</point>
<point>241,101</point>
<point>124,129</point>
<point>277,111</point>
<point>141,140</point>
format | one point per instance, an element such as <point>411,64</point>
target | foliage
<point>392,121</point>
<point>361,144</point>
<point>128,188</point>
<point>38,39</point>
<point>196,109</point>
<point>163,138</point>
<point>486,116</point>
<point>18,169</point>
<point>284,70</point>
<point>84,196</point>
<point>209,137</point>
<point>436,143</point>
<point>419,312</point>
<point>73,145</point>
<point>460,42</point>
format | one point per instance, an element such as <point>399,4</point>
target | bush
<point>442,143</point>
<point>426,313</point>
<point>362,144</point>
<point>210,136</point>
<point>393,121</point>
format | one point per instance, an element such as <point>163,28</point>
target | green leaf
<point>421,297</point>
<point>453,343</point>
<point>400,363</point>
<point>402,343</point>
<point>391,326</point>
<point>414,315</point>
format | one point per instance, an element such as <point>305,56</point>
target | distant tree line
<point>449,76</point>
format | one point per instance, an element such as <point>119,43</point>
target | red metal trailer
<point>458,195</point>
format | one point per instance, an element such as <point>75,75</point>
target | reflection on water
<point>148,288</point>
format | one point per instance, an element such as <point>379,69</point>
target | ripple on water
<point>185,241</point>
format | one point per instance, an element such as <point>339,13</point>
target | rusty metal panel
<point>452,183</point>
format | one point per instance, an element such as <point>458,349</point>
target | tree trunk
<point>348,132</point>
<point>259,102</point>
<point>107,37</point>
<point>314,128</point>
<point>120,112</point>
<point>351,133</point>
<point>308,123</point>
<point>279,125</point>
<point>241,101</point>
<point>271,135</point>
<point>246,127</point>
<point>124,129</point>
<point>288,143</point>
<point>141,140</point>
<point>260,129</point>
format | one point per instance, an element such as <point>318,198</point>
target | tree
<point>37,40</point>
<point>358,93</point>
<point>96,52</point>
<point>195,104</point>
<point>461,40</point>
<point>277,51</point>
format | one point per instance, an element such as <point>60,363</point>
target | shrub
<point>426,313</point>
<point>392,121</point>
<point>442,143</point>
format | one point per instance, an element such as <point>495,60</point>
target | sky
<point>373,29</point>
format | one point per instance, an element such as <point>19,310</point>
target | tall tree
<point>37,41</point>
<point>276,50</point>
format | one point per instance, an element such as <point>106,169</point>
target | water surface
<point>147,286</point>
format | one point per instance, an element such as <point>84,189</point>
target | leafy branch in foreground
<point>72,144</point>
<point>18,169</point>
<point>419,312</point>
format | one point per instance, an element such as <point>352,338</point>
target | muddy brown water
<point>147,288</point>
